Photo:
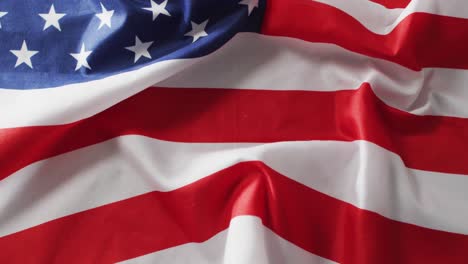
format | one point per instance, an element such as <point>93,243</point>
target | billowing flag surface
<point>234,131</point>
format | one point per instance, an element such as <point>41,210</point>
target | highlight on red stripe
<point>313,221</point>
<point>420,40</point>
<point>393,3</point>
<point>434,143</point>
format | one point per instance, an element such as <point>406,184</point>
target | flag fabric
<point>227,131</point>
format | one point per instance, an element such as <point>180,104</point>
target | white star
<point>81,58</point>
<point>105,17</point>
<point>251,4</point>
<point>2,14</point>
<point>52,18</point>
<point>198,30</point>
<point>158,9</point>
<point>140,49</point>
<point>24,55</point>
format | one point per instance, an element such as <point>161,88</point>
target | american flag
<point>234,131</point>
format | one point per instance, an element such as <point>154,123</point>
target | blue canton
<point>53,43</point>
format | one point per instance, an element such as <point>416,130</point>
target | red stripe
<point>228,115</point>
<point>393,3</point>
<point>318,223</point>
<point>420,40</point>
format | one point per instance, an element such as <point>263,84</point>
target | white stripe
<point>246,241</point>
<point>77,101</point>
<point>381,20</point>
<point>250,61</point>
<point>359,173</point>
<point>279,63</point>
